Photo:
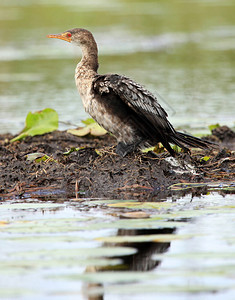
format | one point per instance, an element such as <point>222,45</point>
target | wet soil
<point>94,170</point>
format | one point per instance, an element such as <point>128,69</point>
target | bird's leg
<point>123,149</point>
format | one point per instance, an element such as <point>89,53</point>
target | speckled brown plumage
<point>120,105</point>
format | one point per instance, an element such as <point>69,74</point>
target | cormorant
<point>120,105</point>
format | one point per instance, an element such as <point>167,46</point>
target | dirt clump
<point>69,166</point>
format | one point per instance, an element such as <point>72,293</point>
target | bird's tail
<point>183,140</point>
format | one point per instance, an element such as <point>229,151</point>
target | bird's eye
<point>69,34</point>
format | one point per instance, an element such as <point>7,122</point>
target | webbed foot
<point>123,149</point>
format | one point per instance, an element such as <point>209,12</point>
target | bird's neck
<point>89,59</point>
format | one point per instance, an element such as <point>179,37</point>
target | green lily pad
<point>66,262</point>
<point>43,239</point>
<point>150,223</point>
<point>196,255</point>
<point>30,205</point>
<point>144,238</point>
<point>6,293</point>
<point>143,290</point>
<point>143,205</point>
<point>108,277</point>
<point>185,186</point>
<point>43,226</point>
<point>39,123</point>
<point>74,253</point>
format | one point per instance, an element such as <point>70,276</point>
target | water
<point>183,50</point>
<point>88,250</point>
<point>72,249</point>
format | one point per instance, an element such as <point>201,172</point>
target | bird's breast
<point>83,80</point>
<point>106,109</point>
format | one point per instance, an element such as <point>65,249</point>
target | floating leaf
<point>155,290</point>
<point>42,238</point>
<point>143,205</point>
<point>20,206</point>
<point>66,262</point>
<point>98,202</point>
<point>91,128</point>
<point>74,253</point>
<point>228,189</point>
<point>162,238</point>
<point>196,255</point>
<point>43,226</point>
<point>148,223</point>
<point>108,277</point>
<point>184,186</point>
<point>135,215</point>
<point>6,293</point>
<point>38,123</point>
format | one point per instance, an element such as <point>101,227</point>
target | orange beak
<point>66,36</point>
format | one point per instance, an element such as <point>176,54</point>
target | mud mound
<point>94,170</point>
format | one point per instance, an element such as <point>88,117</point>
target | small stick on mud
<point>76,189</point>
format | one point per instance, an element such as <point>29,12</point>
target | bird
<point>123,107</point>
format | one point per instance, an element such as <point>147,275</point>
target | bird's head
<point>78,36</point>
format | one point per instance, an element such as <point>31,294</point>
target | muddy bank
<point>96,171</point>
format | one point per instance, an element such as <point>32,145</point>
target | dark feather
<point>149,116</point>
<point>135,96</point>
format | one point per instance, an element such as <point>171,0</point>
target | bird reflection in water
<point>142,260</point>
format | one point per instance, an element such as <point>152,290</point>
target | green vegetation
<point>39,123</point>
<point>91,128</point>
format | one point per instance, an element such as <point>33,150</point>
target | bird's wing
<point>139,99</point>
